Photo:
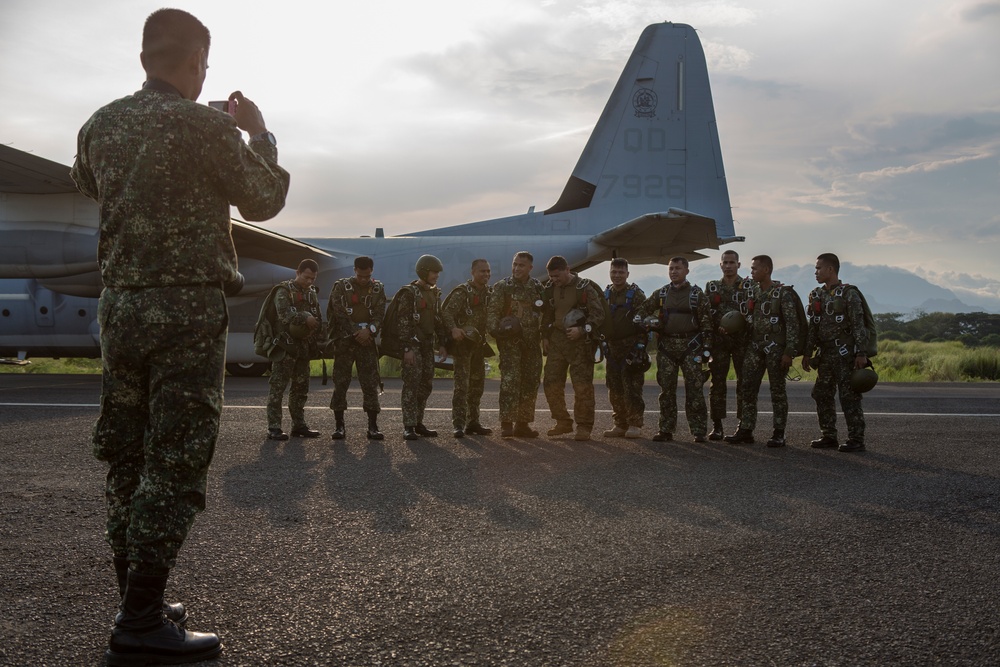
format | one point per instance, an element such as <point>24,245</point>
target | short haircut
<point>363,262</point>
<point>619,262</point>
<point>524,254</point>
<point>309,264</point>
<point>682,260</point>
<point>765,260</point>
<point>832,260</point>
<point>171,35</point>
<point>731,252</point>
<point>477,261</point>
<point>556,263</point>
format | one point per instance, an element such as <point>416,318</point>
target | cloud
<point>980,11</point>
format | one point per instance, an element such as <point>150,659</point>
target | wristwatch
<point>266,136</point>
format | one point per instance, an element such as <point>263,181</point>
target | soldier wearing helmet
<point>464,317</point>
<point>571,322</point>
<point>837,331</point>
<point>725,296</point>
<point>299,322</point>
<point>513,317</point>
<point>420,332</point>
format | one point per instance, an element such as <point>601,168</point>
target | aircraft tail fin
<point>656,144</point>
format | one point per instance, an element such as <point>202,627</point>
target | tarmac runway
<point>485,551</point>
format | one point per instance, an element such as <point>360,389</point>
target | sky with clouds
<point>869,129</point>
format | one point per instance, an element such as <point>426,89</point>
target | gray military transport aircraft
<point>649,185</point>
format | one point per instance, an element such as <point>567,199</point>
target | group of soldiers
<point>752,323</point>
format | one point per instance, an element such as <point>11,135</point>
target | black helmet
<point>863,379</point>
<point>733,322</point>
<point>638,359</point>
<point>428,263</point>
<point>472,335</point>
<point>510,327</point>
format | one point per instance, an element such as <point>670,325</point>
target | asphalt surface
<point>485,551</point>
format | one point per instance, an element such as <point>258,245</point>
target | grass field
<point>911,361</point>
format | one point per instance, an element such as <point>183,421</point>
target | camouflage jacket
<point>836,320</point>
<point>293,305</point>
<point>509,297</point>
<point>412,309</point>
<point>351,306</point>
<point>164,171</point>
<point>466,306</point>
<point>773,319</point>
<point>587,297</point>
<point>723,298</point>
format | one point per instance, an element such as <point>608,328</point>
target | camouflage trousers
<point>470,379</point>
<point>520,372</point>
<point>624,392</point>
<point>576,358</point>
<point>365,357</point>
<point>673,354</point>
<point>755,363</point>
<point>294,370</point>
<point>832,377</point>
<point>418,382</point>
<point>725,350</point>
<point>164,353</point>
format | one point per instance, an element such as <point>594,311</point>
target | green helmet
<point>863,379</point>
<point>298,331</point>
<point>733,322</point>
<point>428,263</point>
<point>472,335</point>
<point>276,353</point>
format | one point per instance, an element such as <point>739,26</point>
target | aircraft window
<point>81,312</point>
<point>43,310</point>
<point>6,313</point>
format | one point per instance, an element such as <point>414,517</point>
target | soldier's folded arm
<point>254,182</point>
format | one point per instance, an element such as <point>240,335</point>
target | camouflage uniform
<point>726,348</point>
<point>418,334</point>
<point>684,335</point>
<point>164,171</point>
<point>574,356</point>
<point>351,306</point>
<point>520,357</point>
<point>623,381</point>
<point>837,331</point>
<point>773,333</point>
<point>466,306</point>
<point>293,305</point>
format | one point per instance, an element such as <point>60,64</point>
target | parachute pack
<point>871,349</point>
<point>389,345</point>
<point>265,332</point>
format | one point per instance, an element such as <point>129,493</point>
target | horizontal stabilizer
<point>655,237</point>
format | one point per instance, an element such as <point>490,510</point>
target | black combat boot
<point>717,432</point>
<point>476,428</point>
<point>174,611</point>
<point>373,432</point>
<point>143,635</point>
<point>339,432</point>
<point>424,431</point>
<point>778,439</point>
<point>410,433</point>
<point>506,430</point>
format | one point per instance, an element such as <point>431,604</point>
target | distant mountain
<point>888,289</point>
